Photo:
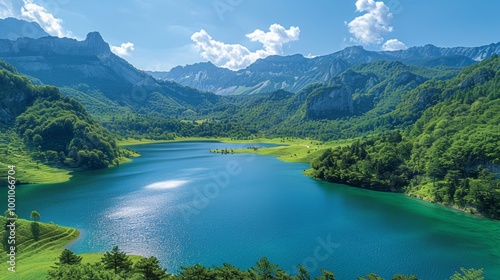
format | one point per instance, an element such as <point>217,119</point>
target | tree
<point>229,272</point>
<point>37,140</point>
<point>80,271</point>
<point>326,275</point>
<point>116,260</point>
<point>35,216</point>
<point>303,274</point>
<point>265,269</point>
<point>371,276</point>
<point>10,214</point>
<point>468,274</point>
<point>150,269</point>
<point>69,258</point>
<point>404,277</point>
<point>196,272</point>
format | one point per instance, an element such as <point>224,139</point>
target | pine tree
<point>150,269</point>
<point>116,260</point>
<point>69,258</point>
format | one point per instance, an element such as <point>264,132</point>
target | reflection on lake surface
<point>185,205</point>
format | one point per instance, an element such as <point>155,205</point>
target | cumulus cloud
<point>371,27</point>
<point>368,29</point>
<point>50,23</point>
<point>394,45</point>
<point>236,56</point>
<point>124,49</point>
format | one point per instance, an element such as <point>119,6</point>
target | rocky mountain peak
<point>96,43</point>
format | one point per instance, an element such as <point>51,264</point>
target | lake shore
<point>289,150</point>
<point>299,152</point>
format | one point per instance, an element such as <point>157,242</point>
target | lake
<point>185,205</point>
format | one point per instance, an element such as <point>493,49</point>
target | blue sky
<point>161,34</point>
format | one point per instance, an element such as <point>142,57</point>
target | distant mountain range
<point>12,29</point>
<point>347,83</point>
<point>293,73</point>
<point>89,72</point>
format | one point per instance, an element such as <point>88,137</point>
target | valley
<point>379,134</point>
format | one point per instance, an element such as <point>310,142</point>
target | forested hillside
<point>56,130</point>
<point>358,101</point>
<point>450,155</point>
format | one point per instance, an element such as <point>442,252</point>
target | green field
<point>294,149</point>
<point>35,256</point>
<point>28,171</point>
<point>38,247</point>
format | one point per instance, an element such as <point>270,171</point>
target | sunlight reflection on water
<point>170,184</point>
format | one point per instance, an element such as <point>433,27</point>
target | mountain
<point>12,29</point>
<point>347,105</point>
<point>431,51</point>
<point>56,130</point>
<point>446,151</point>
<point>291,73</point>
<point>294,73</point>
<point>89,70</point>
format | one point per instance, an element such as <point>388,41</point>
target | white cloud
<point>124,49</point>
<point>394,45</point>
<point>274,39</point>
<point>236,56</point>
<point>6,9</point>
<point>369,28</point>
<point>50,23</point>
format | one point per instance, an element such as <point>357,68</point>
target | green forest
<point>432,133</point>
<point>56,129</point>
<point>450,155</point>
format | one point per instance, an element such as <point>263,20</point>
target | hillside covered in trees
<point>449,155</point>
<point>56,130</point>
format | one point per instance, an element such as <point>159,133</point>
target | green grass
<point>291,149</point>
<point>35,256</point>
<point>96,257</point>
<point>14,152</point>
<point>29,171</point>
<point>130,142</point>
<point>295,150</point>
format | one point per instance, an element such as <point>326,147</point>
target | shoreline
<point>286,158</point>
<point>290,150</point>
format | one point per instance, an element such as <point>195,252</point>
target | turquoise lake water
<point>185,205</point>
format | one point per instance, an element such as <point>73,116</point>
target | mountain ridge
<point>90,66</point>
<point>294,72</point>
<point>12,29</point>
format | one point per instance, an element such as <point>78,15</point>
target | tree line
<point>116,264</point>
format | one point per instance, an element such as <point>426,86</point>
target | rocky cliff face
<point>293,73</point>
<point>64,61</point>
<point>93,45</point>
<point>330,103</point>
<point>431,51</point>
